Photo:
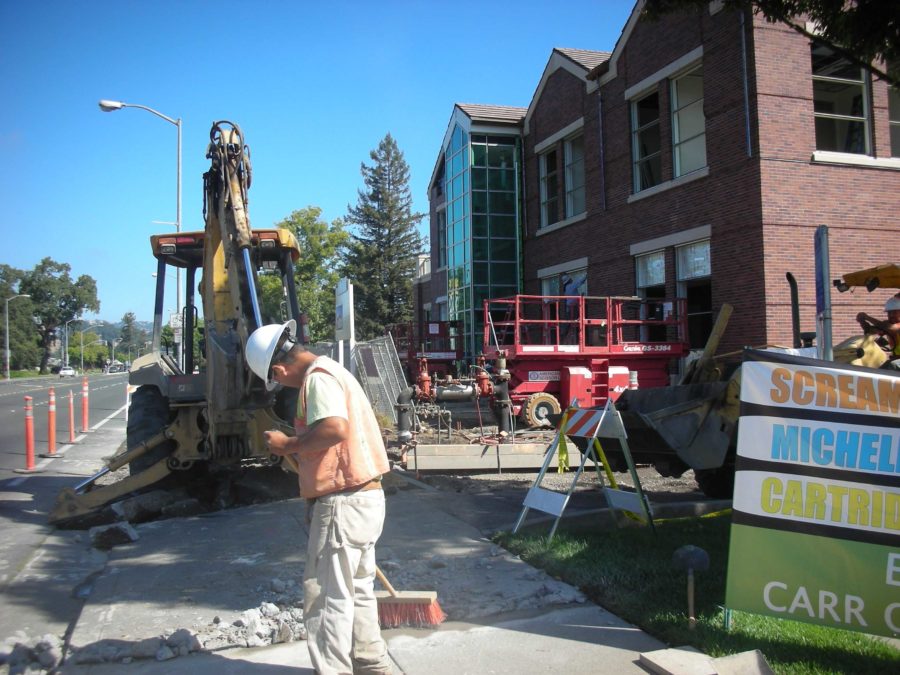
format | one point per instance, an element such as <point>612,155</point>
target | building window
<point>840,103</point>
<point>688,123</point>
<point>574,153</point>
<point>549,189</point>
<point>650,279</point>
<point>645,142</point>
<point>894,116</point>
<point>693,269</point>
<point>442,238</point>
<point>650,271</point>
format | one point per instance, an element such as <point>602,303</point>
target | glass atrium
<point>481,174</point>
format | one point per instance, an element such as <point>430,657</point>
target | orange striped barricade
<point>590,423</point>
<point>51,426</point>
<point>85,395</point>
<point>29,439</point>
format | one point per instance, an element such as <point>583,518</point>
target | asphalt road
<point>106,397</point>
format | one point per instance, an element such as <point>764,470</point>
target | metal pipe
<point>746,86</point>
<point>795,310</point>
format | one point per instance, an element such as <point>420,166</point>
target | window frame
<point>638,161</point>
<point>571,185</point>
<point>864,83</point>
<point>894,120</point>
<point>548,202</point>
<point>676,111</point>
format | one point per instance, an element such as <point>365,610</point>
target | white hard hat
<point>893,304</point>
<point>261,346</point>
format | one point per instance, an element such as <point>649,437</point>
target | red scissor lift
<point>559,349</point>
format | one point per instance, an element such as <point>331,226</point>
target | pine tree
<point>384,245</point>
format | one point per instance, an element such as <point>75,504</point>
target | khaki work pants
<point>340,609</point>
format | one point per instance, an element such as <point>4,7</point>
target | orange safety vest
<point>353,462</point>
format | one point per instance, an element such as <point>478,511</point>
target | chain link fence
<point>379,372</point>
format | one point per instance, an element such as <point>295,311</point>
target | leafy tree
<point>23,337</point>
<point>381,257</point>
<point>316,273</point>
<point>55,299</point>
<point>865,31</point>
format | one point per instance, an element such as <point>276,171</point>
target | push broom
<point>419,609</point>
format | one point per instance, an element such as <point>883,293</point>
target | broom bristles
<point>418,614</point>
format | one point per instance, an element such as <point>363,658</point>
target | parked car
<point>67,371</point>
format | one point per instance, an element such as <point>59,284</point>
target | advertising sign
<point>815,534</point>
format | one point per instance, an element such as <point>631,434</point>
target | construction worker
<point>570,289</point>
<point>341,457</point>
<point>889,328</point>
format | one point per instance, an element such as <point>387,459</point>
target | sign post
<point>343,323</point>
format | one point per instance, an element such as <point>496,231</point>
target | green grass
<point>629,572</point>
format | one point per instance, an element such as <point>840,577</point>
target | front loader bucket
<point>696,422</point>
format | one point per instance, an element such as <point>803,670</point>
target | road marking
<point>40,465</point>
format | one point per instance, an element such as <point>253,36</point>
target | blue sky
<point>313,85</point>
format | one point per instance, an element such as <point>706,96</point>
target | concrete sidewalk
<point>203,572</point>
<point>199,576</point>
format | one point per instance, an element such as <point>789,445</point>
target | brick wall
<point>762,197</point>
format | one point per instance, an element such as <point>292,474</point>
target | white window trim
<point>669,184</point>
<point>555,270</point>
<point>671,240</point>
<point>830,157</point>
<point>568,130</point>
<point>547,229</point>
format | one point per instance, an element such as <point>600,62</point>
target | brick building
<point>694,160</point>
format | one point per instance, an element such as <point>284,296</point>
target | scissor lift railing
<point>532,324</point>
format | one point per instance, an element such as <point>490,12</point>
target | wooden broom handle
<point>384,581</point>
<point>292,463</point>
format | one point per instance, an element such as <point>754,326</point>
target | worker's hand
<point>275,440</point>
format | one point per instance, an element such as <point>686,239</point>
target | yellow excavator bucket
<point>882,276</point>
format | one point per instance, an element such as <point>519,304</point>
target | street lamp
<point>66,360</point>
<point>111,106</point>
<point>6,314</point>
<point>95,342</point>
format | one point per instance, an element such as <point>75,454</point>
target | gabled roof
<point>585,57</point>
<point>608,69</point>
<point>578,62</point>
<point>480,118</point>
<point>493,114</point>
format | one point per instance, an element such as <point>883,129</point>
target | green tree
<point>131,337</point>
<point>55,299</point>
<point>316,273</point>
<point>381,256</point>
<point>865,31</point>
<point>23,337</point>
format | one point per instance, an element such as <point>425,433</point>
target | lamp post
<point>95,342</point>
<point>6,333</point>
<point>66,359</point>
<point>111,106</point>
<point>82,331</point>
